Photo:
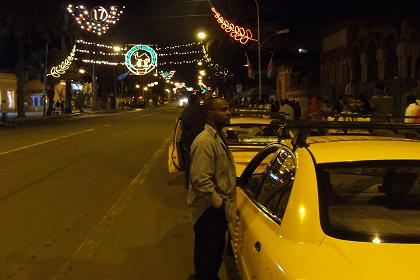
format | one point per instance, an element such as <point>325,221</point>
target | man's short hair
<point>411,99</point>
<point>210,103</point>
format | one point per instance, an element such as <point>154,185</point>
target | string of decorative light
<point>97,20</point>
<point>179,53</point>
<point>125,48</point>
<point>175,47</point>
<point>91,61</point>
<point>82,42</point>
<point>178,62</point>
<point>237,32</point>
<point>122,63</point>
<point>218,69</point>
<point>101,53</point>
<point>60,69</point>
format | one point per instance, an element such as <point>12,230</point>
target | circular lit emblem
<point>141,59</point>
<point>99,14</point>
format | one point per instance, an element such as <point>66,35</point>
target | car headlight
<point>183,101</point>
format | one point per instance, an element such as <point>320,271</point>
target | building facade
<point>8,84</point>
<point>371,57</point>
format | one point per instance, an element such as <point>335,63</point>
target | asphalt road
<point>90,197</point>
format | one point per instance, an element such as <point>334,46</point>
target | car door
<point>263,199</point>
<point>175,161</point>
<point>248,183</point>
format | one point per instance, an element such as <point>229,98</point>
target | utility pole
<point>259,51</point>
<point>44,100</point>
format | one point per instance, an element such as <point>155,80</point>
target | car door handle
<point>258,246</point>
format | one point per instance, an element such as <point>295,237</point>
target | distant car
<point>330,207</point>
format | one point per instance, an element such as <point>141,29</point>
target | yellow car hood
<point>345,260</point>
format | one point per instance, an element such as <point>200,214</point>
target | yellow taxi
<point>330,207</point>
<point>248,132</point>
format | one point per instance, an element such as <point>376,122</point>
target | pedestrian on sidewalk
<point>3,111</point>
<point>212,191</point>
<point>57,107</point>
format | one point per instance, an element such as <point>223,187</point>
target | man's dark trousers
<point>186,159</point>
<point>209,244</point>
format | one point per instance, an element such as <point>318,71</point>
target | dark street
<point>91,198</point>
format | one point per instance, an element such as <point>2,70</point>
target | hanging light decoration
<point>97,20</point>
<point>60,69</point>
<point>141,59</point>
<point>167,75</point>
<point>238,33</point>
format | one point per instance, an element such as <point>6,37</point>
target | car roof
<point>342,148</point>
<point>250,120</point>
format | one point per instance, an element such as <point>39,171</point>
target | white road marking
<point>142,116</point>
<point>44,142</point>
<point>92,242</point>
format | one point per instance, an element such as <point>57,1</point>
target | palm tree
<point>23,21</point>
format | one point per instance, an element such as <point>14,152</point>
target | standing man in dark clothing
<point>212,192</point>
<point>193,119</point>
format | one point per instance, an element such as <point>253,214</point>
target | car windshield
<point>248,134</point>
<point>375,201</point>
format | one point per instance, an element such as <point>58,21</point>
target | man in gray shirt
<point>212,190</point>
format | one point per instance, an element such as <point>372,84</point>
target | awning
<point>33,86</point>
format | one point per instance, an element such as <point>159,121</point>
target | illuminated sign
<point>141,59</point>
<point>99,14</point>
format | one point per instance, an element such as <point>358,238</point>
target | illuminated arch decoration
<point>141,59</point>
<point>238,33</point>
<point>97,20</point>
<point>167,75</point>
<point>59,70</point>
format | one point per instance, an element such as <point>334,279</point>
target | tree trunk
<point>20,73</point>
<point>68,106</point>
<point>51,96</point>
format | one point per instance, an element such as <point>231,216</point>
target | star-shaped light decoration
<point>167,75</point>
<point>96,20</point>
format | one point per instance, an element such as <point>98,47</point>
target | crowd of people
<point>290,108</point>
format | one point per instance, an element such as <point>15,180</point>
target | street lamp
<point>116,49</point>
<point>92,76</point>
<point>278,32</point>
<point>201,35</point>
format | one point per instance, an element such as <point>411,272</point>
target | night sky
<point>173,22</point>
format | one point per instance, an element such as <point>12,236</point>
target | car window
<point>250,133</point>
<point>253,184</point>
<point>277,184</point>
<point>371,201</point>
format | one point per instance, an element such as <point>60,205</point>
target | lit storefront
<point>77,89</point>
<point>8,84</point>
<point>34,95</point>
